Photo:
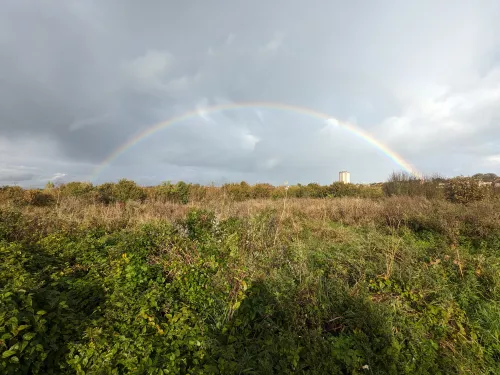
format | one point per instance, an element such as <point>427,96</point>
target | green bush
<point>122,191</point>
<point>168,192</point>
<point>126,190</point>
<point>76,189</point>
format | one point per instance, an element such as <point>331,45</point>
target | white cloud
<point>331,127</point>
<point>201,110</point>
<point>249,141</point>
<point>441,117</point>
<point>275,43</point>
<point>149,71</point>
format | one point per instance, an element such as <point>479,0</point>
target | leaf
<point>8,353</point>
<point>28,336</point>
<point>41,312</point>
<point>23,346</point>
<point>21,327</point>
<point>14,359</point>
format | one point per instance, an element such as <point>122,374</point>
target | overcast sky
<point>80,78</point>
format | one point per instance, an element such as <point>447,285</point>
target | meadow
<point>394,278</point>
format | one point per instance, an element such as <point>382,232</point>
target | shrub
<point>464,190</point>
<point>126,190</point>
<point>14,194</point>
<point>403,183</point>
<point>238,192</point>
<point>122,191</point>
<point>168,192</point>
<point>105,193</point>
<point>38,198</point>
<point>76,189</point>
<point>261,191</point>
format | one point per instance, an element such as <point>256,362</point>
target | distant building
<point>345,177</point>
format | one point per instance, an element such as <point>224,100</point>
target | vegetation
<point>240,279</point>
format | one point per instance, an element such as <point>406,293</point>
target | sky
<point>79,79</point>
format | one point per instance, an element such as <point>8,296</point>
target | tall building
<point>345,177</point>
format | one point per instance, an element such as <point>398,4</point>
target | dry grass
<point>394,212</point>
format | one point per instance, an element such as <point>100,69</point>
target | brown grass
<point>418,213</point>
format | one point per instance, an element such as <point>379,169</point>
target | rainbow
<point>256,105</point>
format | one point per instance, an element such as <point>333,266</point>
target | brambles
<point>395,285</point>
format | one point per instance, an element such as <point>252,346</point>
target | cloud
<point>249,141</point>
<point>150,70</point>
<point>14,176</point>
<point>99,73</point>
<point>445,119</point>
<point>275,42</point>
<point>493,159</point>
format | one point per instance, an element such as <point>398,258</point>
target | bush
<point>405,184</point>
<point>76,189</point>
<point>122,191</point>
<point>464,190</point>
<point>168,192</point>
<point>126,190</point>
<point>14,194</point>
<point>38,198</point>
<point>105,193</point>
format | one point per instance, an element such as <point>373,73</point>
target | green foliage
<point>126,190</point>
<point>76,189</point>
<point>122,191</point>
<point>168,192</point>
<point>408,293</point>
<point>464,190</point>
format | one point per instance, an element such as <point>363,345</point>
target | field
<point>132,280</point>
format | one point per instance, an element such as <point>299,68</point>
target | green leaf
<point>41,312</point>
<point>21,327</point>
<point>23,346</point>
<point>28,336</point>
<point>8,353</point>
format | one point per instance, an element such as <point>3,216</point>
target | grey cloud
<point>14,177</point>
<point>90,75</point>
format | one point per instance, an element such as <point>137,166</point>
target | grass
<point>393,285</point>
